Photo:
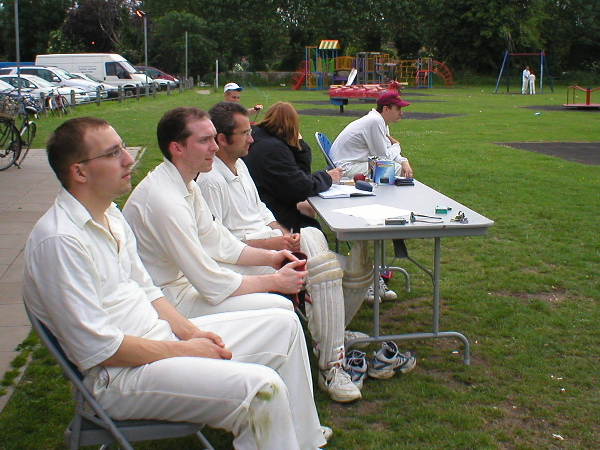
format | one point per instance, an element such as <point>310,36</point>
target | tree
<point>98,24</point>
<point>37,20</point>
<point>168,43</point>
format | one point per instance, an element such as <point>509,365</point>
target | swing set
<point>505,70</point>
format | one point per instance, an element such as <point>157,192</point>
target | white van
<point>109,67</point>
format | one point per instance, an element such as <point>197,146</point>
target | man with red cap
<point>370,136</point>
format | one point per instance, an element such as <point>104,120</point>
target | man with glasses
<point>233,199</point>
<point>142,359</point>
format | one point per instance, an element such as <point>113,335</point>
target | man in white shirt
<point>234,200</point>
<point>370,136</point>
<point>142,359</point>
<point>183,248</point>
<point>526,73</point>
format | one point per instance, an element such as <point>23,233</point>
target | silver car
<point>37,86</point>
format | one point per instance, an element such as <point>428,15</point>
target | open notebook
<point>341,190</point>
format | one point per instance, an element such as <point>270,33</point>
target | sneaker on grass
<point>338,385</point>
<point>388,360</point>
<point>351,335</point>
<point>384,292</point>
<point>356,366</point>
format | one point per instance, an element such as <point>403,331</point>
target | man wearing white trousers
<point>181,244</point>
<point>526,73</point>
<point>234,200</point>
<point>142,359</point>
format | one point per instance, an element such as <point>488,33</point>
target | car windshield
<point>4,86</point>
<point>64,73</point>
<point>40,82</point>
<point>90,77</point>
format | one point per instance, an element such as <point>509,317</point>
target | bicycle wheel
<point>10,143</point>
<point>27,135</point>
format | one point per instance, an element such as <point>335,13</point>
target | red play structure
<point>588,98</point>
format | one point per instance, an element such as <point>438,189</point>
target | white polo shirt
<point>88,287</point>
<point>234,200</point>
<point>178,239</point>
<point>367,136</point>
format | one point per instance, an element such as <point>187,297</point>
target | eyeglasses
<point>245,133</point>
<point>115,152</point>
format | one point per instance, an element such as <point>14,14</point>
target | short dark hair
<point>172,127</point>
<point>66,145</point>
<point>222,116</point>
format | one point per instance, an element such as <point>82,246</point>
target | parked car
<point>39,86</point>
<point>157,74</point>
<point>59,77</point>
<point>5,87</point>
<point>111,89</point>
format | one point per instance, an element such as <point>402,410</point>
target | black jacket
<point>282,176</point>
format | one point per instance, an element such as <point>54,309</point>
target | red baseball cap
<point>391,98</point>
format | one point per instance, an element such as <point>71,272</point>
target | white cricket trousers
<point>351,169</point>
<point>191,304</point>
<point>264,395</point>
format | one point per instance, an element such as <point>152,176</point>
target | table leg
<point>436,334</point>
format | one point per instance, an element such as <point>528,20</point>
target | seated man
<point>181,244</point>
<point>234,200</point>
<point>370,136</point>
<point>141,359</point>
<point>232,93</point>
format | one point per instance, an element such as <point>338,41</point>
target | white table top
<point>419,199</point>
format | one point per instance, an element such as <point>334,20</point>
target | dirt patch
<point>352,113</point>
<point>561,108</point>
<point>581,152</point>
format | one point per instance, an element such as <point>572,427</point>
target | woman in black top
<point>279,162</point>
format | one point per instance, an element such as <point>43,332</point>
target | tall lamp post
<point>142,14</point>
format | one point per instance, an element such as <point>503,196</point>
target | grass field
<point>526,295</point>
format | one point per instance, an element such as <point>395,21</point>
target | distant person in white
<point>532,83</point>
<point>526,74</point>
<point>370,136</point>
<point>232,93</point>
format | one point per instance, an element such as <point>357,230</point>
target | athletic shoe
<point>386,361</point>
<point>338,385</point>
<point>355,365</point>
<point>350,335</point>
<point>327,432</point>
<point>384,292</point>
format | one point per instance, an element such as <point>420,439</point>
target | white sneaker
<point>355,365</point>
<point>351,335</point>
<point>338,385</point>
<point>388,360</point>
<point>327,432</point>
<point>384,292</point>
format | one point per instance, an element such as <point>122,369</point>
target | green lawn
<point>525,295</point>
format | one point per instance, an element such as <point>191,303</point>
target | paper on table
<point>341,191</point>
<point>376,211</point>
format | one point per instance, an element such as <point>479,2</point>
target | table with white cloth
<point>362,218</point>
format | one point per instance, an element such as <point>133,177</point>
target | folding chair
<point>91,425</point>
<point>325,146</point>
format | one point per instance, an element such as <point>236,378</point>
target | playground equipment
<point>588,98</point>
<point>505,70</point>
<point>322,67</point>
<point>339,95</point>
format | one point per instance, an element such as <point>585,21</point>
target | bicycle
<point>28,107</point>
<point>57,103</point>
<point>10,138</point>
<point>15,142</point>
